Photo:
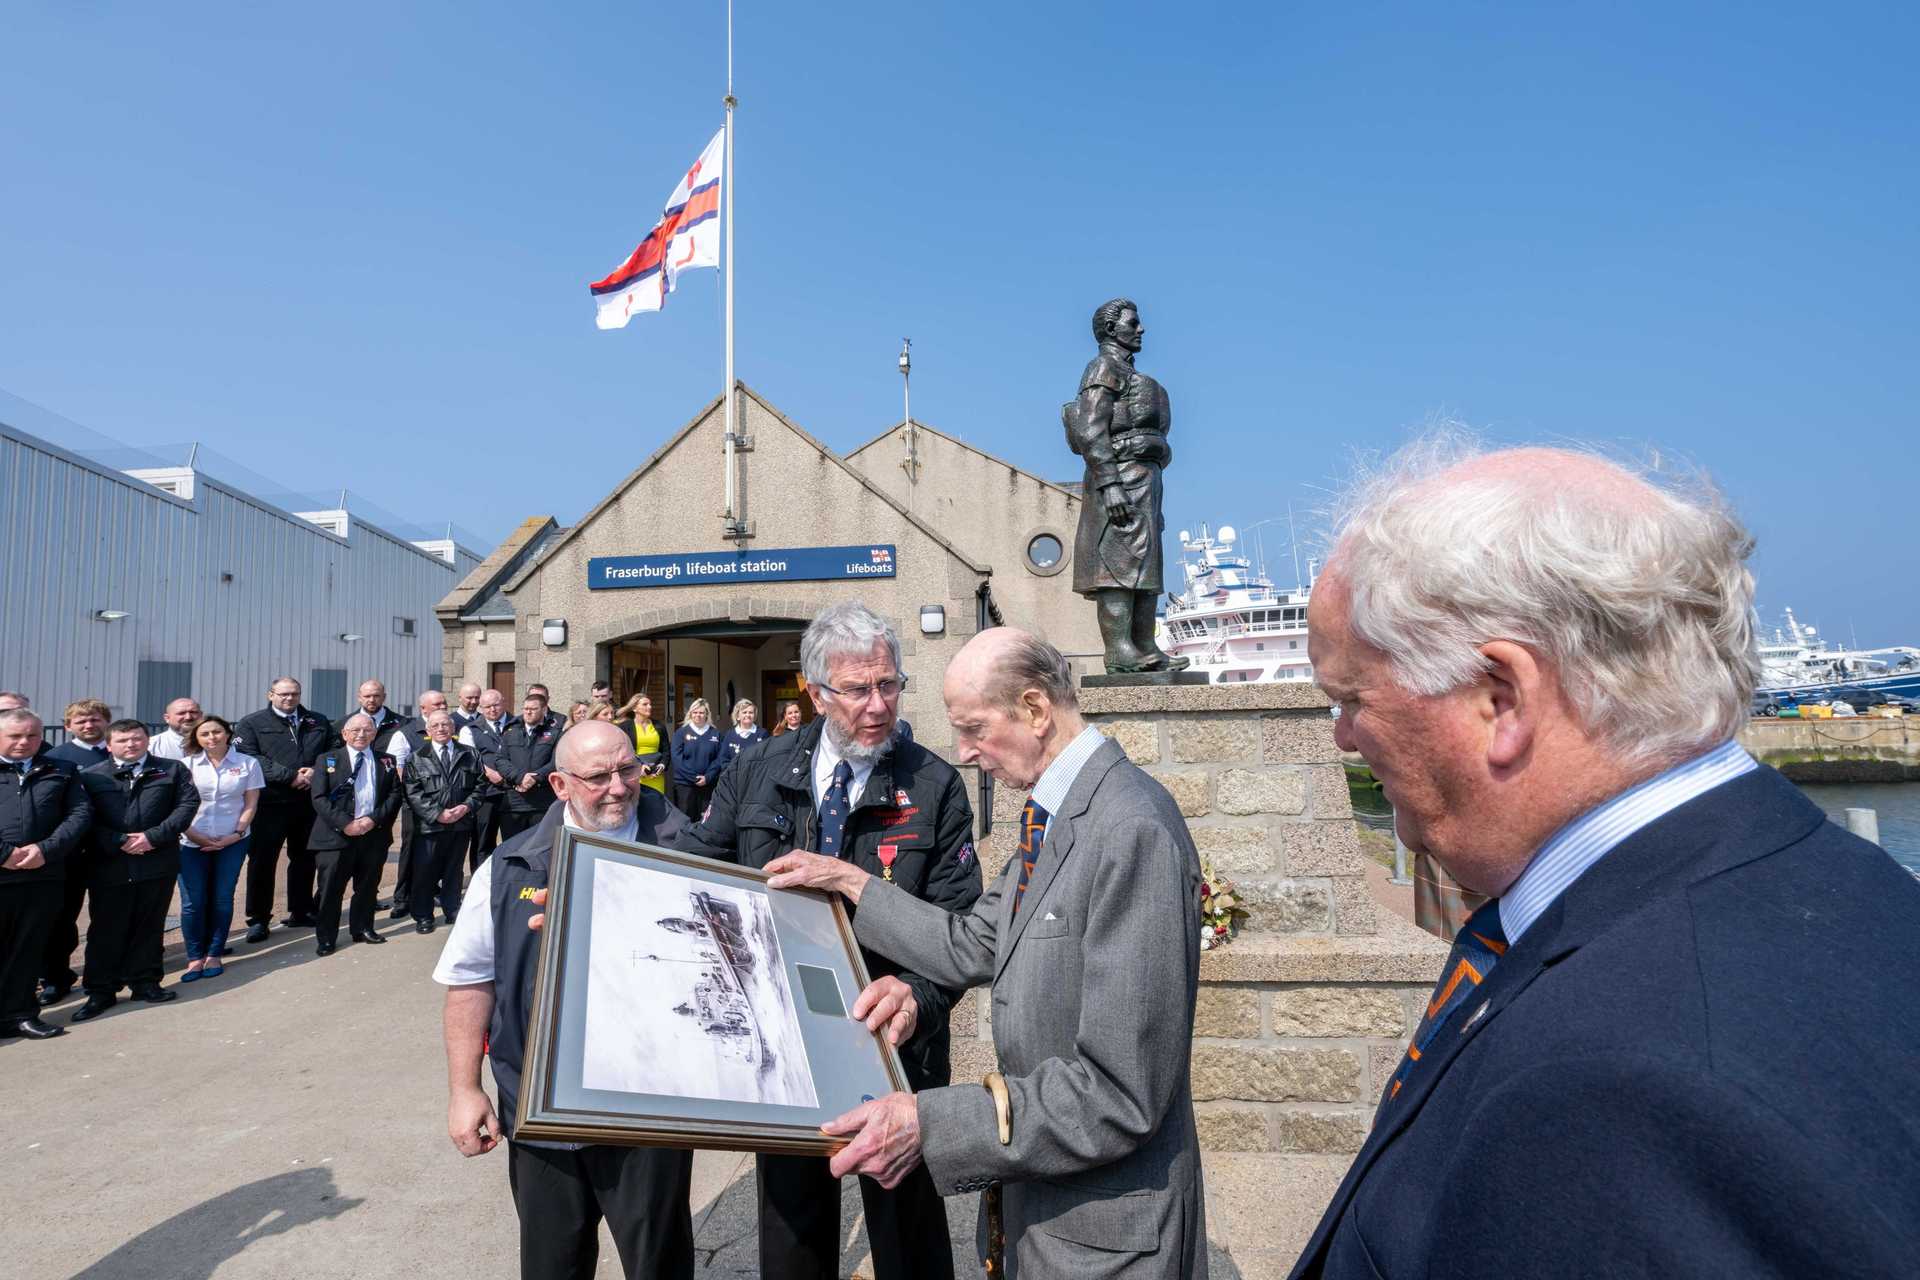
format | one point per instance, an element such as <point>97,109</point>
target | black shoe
<point>32,1029</point>
<point>50,995</point>
<point>400,911</point>
<point>154,993</point>
<point>423,926</point>
<point>301,922</point>
<point>324,949</point>
<point>93,1008</point>
<point>256,933</point>
<point>370,938</point>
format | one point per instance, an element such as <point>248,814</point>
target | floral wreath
<point>1220,910</point>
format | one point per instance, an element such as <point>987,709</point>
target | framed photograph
<point>680,1002</point>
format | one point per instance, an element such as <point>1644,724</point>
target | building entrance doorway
<point>721,662</point>
<point>778,688</point>
<point>500,678</point>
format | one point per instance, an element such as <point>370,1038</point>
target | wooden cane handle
<point>996,1084</point>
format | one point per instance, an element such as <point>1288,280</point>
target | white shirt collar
<point>824,760</point>
<point>1591,836</point>
<point>629,833</point>
<point>1050,789</point>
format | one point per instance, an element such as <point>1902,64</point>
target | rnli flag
<point>687,235</point>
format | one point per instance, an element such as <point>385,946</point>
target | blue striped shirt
<point>1050,791</point>
<point>1595,833</point>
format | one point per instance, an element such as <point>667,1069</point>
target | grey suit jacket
<point>1093,991</point>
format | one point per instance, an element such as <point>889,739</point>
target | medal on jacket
<point>888,852</point>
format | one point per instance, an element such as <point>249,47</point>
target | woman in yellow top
<point>649,744</point>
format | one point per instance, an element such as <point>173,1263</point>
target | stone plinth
<point>1302,1017</point>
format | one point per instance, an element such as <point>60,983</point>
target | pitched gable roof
<point>487,575</point>
<point>546,553</point>
<point>973,449</point>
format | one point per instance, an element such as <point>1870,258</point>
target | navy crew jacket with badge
<point>158,800</point>
<point>527,748</point>
<point>912,822</point>
<point>44,804</point>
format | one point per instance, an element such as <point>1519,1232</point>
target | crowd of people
<point>115,817</point>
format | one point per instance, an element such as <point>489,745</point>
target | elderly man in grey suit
<point>1090,939</point>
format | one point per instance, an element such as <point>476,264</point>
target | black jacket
<point>914,806</point>
<point>159,801</point>
<point>46,805</point>
<point>333,797</point>
<point>732,744</point>
<point>264,735</point>
<point>528,749</point>
<point>430,789</point>
<point>1698,1061</point>
<point>486,743</point>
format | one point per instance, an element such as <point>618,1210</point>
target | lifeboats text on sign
<point>693,568</point>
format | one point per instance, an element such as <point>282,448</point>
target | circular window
<point>1043,552</point>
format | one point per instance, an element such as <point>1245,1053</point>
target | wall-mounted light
<point>110,615</point>
<point>553,633</point>
<point>933,619</point>
<point>351,636</point>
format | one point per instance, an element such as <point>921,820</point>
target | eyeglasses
<point>859,693</point>
<point>629,774</point>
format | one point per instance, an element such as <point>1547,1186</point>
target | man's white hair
<point>842,630</point>
<point>1637,591</point>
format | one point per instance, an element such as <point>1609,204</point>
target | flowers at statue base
<point>1220,910</point>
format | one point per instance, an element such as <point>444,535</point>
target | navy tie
<point>833,810</point>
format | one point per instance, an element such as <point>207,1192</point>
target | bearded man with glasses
<point>847,786</point>
<point>560,1190</point>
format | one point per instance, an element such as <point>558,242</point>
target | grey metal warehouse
<point>139,586</point>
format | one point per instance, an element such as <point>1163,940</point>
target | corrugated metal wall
<point>243,591</point>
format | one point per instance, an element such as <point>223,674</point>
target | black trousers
<point>437,869</point>
<point>513,822</point>
<point>27,914</point>
<point>692,800</point>
<point>487,812</point>
<point>273,826</point>
<point>641,1192</point>
<point>403,876</point>
<point>359,864</point>
<point>124,928</point>
<point>63,934</point>
<point>800,1223</point>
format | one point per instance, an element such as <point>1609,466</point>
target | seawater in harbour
<point>1896,803</point>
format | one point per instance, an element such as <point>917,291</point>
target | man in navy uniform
<point>489,798</point>
<point>561,1190</point>
<point>849,787</point>
<point>356,793</point>
<point>524,762</point>
<point>43,819</point>
<point>141,804</point>
<point>86,745</point>
<point>287,739</point>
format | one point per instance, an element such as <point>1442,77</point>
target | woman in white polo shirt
<point>215,846</point>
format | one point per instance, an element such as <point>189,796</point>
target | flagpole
<point>732,521</point>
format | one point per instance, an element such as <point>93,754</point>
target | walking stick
<point>996,1084</point>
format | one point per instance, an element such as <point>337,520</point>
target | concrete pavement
<point>288,1119</point>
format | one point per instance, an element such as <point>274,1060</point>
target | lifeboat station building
<point>657,589</point>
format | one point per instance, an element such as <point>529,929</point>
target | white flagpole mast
<point>732,521</point>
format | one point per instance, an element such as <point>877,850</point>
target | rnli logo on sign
<point>526,895</point>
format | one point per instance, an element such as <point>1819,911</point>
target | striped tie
<point>1476,949</point>
<point>1033,830</point>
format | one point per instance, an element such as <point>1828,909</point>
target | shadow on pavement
<point>194,1243</point>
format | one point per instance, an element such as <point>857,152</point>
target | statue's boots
<point>1115,610</point>
<point>1152,656</point>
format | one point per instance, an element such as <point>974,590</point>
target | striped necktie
<point>1033,831</point>
<point>1476,949</point>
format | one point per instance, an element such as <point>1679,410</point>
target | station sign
<point>758,564</point>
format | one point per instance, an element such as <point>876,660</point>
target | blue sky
<point>349,245</point>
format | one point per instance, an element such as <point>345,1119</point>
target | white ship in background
<point>1797,664</point>
<point>1230,621</point>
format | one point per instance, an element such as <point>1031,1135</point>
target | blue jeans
<point>206,896</point>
